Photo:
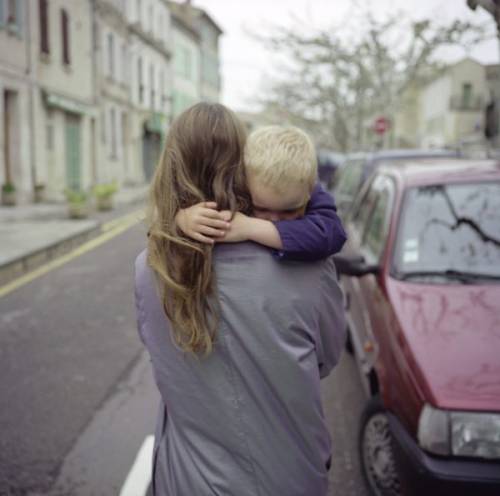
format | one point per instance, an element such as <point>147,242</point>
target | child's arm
<point>317,235</point>
<point>202,222</point>
<point>244,228</point>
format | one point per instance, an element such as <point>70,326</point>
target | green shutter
<point>72,131</point>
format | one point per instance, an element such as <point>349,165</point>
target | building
<point>196,56</point>
<point>112,91</point>
<point>448,110</point>
<point>150,56</point>
<point>48,112</point>
<point>88,92</point>
<point>209,31</point>
<point>16,93</point>
<point>187,58</point>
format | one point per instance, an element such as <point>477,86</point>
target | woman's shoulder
<point>141,261</point>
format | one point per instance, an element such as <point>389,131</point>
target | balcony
<point>461,103</point>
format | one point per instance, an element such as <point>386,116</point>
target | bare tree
<point>338,77</point>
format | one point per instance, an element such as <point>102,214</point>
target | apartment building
<point>89,87</point>
<point>449,109</point>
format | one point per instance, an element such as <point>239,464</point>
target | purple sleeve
<point>317,235</point>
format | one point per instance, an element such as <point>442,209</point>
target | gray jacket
<point>247,420</point>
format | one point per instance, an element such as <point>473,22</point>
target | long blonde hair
<point>202,161</point>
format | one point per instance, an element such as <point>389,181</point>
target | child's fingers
<point>202,239</point>
<point>226,215</point>
<point>209,231</point>
<point>217,224</point>
<point>212,214</point>
<point>209,205</point>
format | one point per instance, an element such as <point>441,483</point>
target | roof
<point>425,171</point>
<point>188,16</point>
<point>202,13</point>
<point>181,13</point>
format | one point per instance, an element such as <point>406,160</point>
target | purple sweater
<point>317,235</point>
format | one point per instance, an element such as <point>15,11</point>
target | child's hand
<point>239,228</point>
<point>202,222</point>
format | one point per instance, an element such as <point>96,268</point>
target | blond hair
<point>280,156</point>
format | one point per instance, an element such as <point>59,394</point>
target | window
<point>151,19</point>
<point>161,90</point>
<point>152,85</point>
<point>112,122</point>
<point>183,62</point>
<point>139,80</point>
<point>11,11</point>
<point>138,6</point>
<point>44,27</point>
<point>466,95</point>
<point>11,14</point>
<point>103,126</point>
<point>65,37</point>
<point>110,45</point>
<point>49,134</point>
<point>124,63</point>
<point>376,229</point>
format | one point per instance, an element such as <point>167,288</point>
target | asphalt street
<point>78,401</point>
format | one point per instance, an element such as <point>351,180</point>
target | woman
<point>238,341</point>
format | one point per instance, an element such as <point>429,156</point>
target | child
<point>292,214</point>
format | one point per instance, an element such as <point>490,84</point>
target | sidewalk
<point>33,234</point>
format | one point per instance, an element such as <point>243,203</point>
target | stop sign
<point>381,125</point>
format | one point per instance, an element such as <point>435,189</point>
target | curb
<point>29,261</point>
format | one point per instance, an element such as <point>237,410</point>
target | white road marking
<point>139,477</point>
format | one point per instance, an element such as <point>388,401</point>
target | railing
<point>471,104</point>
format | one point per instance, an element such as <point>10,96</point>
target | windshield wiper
<point>459,275</point>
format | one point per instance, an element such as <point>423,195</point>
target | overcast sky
<point>244,61</point>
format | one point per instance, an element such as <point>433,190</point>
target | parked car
<point>359,166</point>
<point>421,275</point>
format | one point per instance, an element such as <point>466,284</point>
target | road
<point>78,398</point>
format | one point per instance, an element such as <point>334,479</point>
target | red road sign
<point>381,125</point>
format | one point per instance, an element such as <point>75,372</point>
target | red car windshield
<point>450,232</point>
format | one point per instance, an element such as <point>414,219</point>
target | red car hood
<point>452,335</point>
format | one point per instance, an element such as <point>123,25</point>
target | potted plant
<point>39,191</point>
<point>8,194</point>
<point>104,195</point>
<point>78,207</point>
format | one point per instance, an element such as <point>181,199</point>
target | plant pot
<point>78,210</point>
<point>9,198</point>
<point>104,203</point>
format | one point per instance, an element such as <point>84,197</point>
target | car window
<point>350,179</point>
<point>376,228</point>
<point>363,207</point>
<point>454,227</point>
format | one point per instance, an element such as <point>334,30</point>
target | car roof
<point>419,172</point>
<point>413,152</point>
<point>400,153</point>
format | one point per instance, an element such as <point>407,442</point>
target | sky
<point>245,63</point>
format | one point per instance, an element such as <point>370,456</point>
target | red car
<point>421,275</point>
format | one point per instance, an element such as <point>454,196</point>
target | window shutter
<point>65,36</point>
<point>44,27</point>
